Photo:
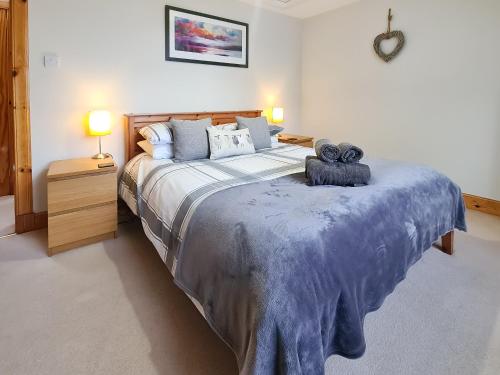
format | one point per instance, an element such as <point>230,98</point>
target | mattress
<point>142,167</point>
<point>137,168</point>
<point>283,272</point>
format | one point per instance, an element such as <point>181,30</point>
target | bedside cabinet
<point>300,140</point>
<point>82,203</point>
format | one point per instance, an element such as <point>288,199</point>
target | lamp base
<point>101,156</point>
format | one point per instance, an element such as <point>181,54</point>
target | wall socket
<point>51,60</point>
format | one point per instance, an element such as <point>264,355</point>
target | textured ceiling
<point>300,8</point>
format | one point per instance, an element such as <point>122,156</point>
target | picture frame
<point>199,38</point>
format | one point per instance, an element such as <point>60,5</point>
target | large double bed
<point>284,272</point>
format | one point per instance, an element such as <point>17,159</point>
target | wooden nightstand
<point>296,140</point>
<point>82,202</point>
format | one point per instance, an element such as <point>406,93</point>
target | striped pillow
<point>157,152</point>
<point>158,134</point>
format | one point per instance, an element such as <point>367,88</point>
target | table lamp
<point>278,115</point>
<point>99,125</point>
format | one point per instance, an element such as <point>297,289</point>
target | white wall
<point>437,103</point>
<point>112,56</point>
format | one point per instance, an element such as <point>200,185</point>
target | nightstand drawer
<point>75,226</point>
<point>72,193</point>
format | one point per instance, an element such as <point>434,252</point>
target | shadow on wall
<point>7,215</point>
<point>181,341</point>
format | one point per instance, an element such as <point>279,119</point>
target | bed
<point>285,273</point>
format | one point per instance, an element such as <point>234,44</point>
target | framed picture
<point>204,39</point>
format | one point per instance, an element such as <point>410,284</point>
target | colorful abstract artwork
<point>201,38</point>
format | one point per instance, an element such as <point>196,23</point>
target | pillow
<point>191,140</point>
<point>158,134</point>
<point>224,143</point>
<point>157,151</point>
<point>259,130</point>
<point>275,130</point>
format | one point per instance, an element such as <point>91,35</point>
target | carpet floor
<point>111,308</point>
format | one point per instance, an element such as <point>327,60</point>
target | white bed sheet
<point>141,166</point>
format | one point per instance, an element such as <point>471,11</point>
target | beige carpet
<point>7,215</point>
<point>111,308</point>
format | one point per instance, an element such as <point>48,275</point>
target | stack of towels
<point>336,165</point>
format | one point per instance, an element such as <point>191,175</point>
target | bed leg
<point>447,243</point>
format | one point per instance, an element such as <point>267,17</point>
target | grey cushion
<point>259,130</point>
<point>274,130</point>
<point>191,139</point>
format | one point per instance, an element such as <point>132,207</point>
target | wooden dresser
<point>293,139</point>
<point>82,203</point>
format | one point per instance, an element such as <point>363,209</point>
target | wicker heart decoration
<point>386,36</point>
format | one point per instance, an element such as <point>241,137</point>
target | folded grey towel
<point>326,150</point>
<point>311,157</point>
<point>350,153</point>
<point>340,174</point>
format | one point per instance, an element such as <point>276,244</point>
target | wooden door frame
<point>26,219</point>
<point>10,178</point>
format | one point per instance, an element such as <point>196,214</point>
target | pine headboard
<point>134,122</point>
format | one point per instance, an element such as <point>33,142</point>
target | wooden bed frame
<point>134,122</point>
<point>447,243</point>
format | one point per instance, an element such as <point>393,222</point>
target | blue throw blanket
<point>286,272</point>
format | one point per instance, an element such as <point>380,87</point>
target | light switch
<point>51,60</point>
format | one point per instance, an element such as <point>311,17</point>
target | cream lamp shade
<point>99,125</point>
<point>278,115</point>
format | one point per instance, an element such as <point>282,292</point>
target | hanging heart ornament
<point>377,44</point>
<point>386,36</point>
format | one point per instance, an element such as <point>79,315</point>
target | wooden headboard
<point>134,122</point>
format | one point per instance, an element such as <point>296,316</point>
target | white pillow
<point>225,143</point>
<point>157,151</point>
<point>158,134</point>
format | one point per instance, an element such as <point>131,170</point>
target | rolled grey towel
<point>327,151</point>
<point>350,153</point>
<point>340,174</point>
